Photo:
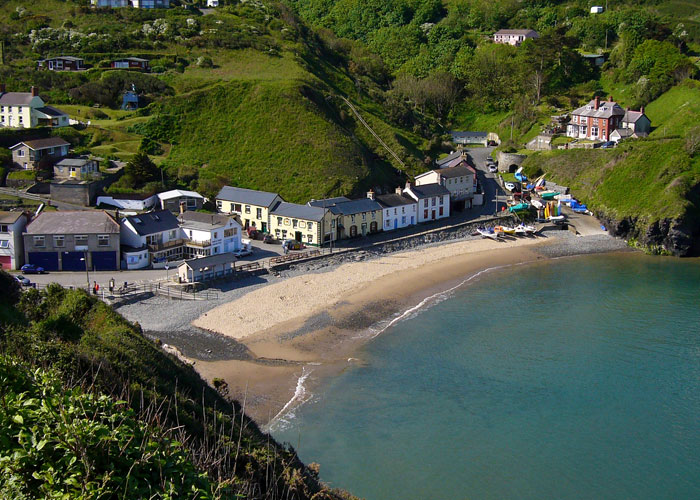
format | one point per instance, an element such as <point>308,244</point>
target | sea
<point>572,378</point>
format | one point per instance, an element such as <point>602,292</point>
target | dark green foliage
<point>162,128</point>
<point>108,90</point>
<point>9,289</point>
<point>140,171</point>
<point>150,147</point>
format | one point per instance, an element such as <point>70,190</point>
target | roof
<point>67,58</point>
<point>247,196</point>
<point>73,222</point>
<point>296,211</point>
<point>73,162</point>
<point>136,59</point>
<point>204,221</point>
<point>51,111</point>
<point>211,260</point>
<point>327,202</point>
<point>49,142</point>
<point>177,193</point>
<point>394,200</point>
<point>632,116</point>
<point>153,222</point>
<point>16,98</point>
<point>623,132</point>
<point>457,134</point>
<point>452,156</point>
<point>457,171</point>
<point>515,32</point>
<point>356,206</point>
<point>429,190</point>
<point>9,217</point>
<point>611,109</point>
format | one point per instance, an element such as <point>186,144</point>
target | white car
<point>22,280</point>
<point>510,186</point>
<point>493,168</point>
<point>244,252</point>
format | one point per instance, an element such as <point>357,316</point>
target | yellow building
<point>252,206</point>
<point>351,218</point>
<point>27,109</point>
<point>304,223</point>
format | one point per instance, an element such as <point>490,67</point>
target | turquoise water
<point>573,378</point>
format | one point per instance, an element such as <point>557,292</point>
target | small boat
<point>487,233</point>
<point>548,195</point>
<point>504,229</point>
<point>556,218</point>
<point>519,207</point>
<point>522,229</point>
<point>537,204</point>
<point>519,175</point>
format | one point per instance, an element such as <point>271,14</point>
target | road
<point>35,197</point>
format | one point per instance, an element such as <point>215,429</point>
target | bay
<point>570,378</point>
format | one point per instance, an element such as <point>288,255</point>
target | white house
<point>209,234</point>
<point>127,201</point>
<point>398,210</point>
<point>12,225</point>
<point>433,201</point>
<point>597,9</point>
<point>212,3</point>
<point>459,180</point>
<point>514,37</point>
<point>27,109</point>
<point>177,199</point>
<point>157,232</point>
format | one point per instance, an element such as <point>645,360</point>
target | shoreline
<point>289,357</point>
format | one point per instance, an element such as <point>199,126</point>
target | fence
<point>293,256</point>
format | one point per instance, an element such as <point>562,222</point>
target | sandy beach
<point>310,326</point>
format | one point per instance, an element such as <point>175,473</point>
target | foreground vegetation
<point>93,409</point>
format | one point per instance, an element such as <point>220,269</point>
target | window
<point>403,210</point>
<point>20,153</point>
<point>39,241</point>
<point>21,119</point>
<point>434,201</point>
<point>172,235</point>
<point>102,240</point>
<point>440,211</point>
<point>311,238</point>
<point>425,202</point>
<point>219,205</point>
<point>425,214</point>
<point>247,209</point>
<point>81,239</point>
<point>387,223</point>
<point>594,131</point>
<point>352,218</point>
<point>230,232</point>
<point>364,216</point>
<point>442,200</point>
<point>403,219</point>
<point>236,207</point>
<point>310,226</point>
<point>295,222</point>
<point>258,213</point>
<point>4,244</point>
<point>216,234</point>
<point>395,211</point>
<point>191,203</point>
<point>59,241</point>
<point>332,222</point>
<point>4,228</point>
<point>374,215</point>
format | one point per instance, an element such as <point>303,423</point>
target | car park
<point>32,269</point>
<point>22,280</point>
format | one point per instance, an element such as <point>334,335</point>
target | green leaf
<point>18,419</point>
<point>41,444</point>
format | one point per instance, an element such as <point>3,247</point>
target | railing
<point>155,247</point>
<point>199,244</point>
<point>294,256</point>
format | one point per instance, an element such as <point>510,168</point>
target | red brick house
<point>596,120</point>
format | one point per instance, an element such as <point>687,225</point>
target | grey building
<point>29,155</point>
<point>11,227</point>
<point>62,241</point>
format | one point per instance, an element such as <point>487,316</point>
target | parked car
<point>510,186</point>
<point>493,168</point>
<point>245,250</point>
<point>268,238</point>
<point>22,280</point>
<point>32,269</point>
<point>607,145</point>
<point>489,159</point>
<point>292,245</point>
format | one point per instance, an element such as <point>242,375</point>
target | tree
<point>141,170</point>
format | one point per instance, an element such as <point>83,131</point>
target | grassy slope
<point>648,179</point>
<point>676,111</point>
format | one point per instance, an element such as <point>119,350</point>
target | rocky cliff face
<point>680,237</point>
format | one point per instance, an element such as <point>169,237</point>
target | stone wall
<point>505,160</point>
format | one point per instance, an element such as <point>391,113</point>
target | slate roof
<point>429,190</point>
<point>356,206</point>
<point>16,98</point>
<point>328,202</point>
<point>177,193</point>
<point>632,116</point>
<point>73,162</point>
<point>153,222</point>
<point>296,211</point>
<point>49,142</point>
<point>451,157</point>
<point>201,220</point>
<point>135,59</point>
<point>65,58</point>
<point>211,260</point>
<point>9,217</point>
<point>456,134</point>
<point>515,32</point>
<point>51,111</point>
<point>458,171</point>
<point>74,222</point>
<point>611,109</point>
<point>394,200</point>
<point>246,196</point>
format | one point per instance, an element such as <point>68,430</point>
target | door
<point>297,236</point>
<point>373,226</point>
<point>364,228</point>
<point>72,261</point>
<point>353,231</point>
<point>47,260</point>
<point>433,213</point>
<point>413,220</point>
<point>5,262</point>
<point>264,227</point>
<point>104,261</point>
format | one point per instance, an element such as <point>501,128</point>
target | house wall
<point>363,223</point>
<point>20,116</point>
<point>173,204</point>
<point>65,172</point>
<point>249,213</point>
<point>70,246</point>
<point>136,260</point>
<point>431,208</point>
<point>399,217</point>
<point>286,228</point>
<point>80,193</point>
<point>15,243</point>
<point>23,154</point>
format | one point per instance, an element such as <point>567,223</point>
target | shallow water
<point>572,378</point>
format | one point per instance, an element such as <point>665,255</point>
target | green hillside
<point>677,111</point>
<point>92,409</point>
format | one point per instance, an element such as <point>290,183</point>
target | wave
<point>301,396</point>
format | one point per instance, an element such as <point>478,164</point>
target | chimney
<point>399,190</point>
<point>35,91</point>
<point>610,99</point>
<point>641,110</point>
<point>596,102</point>
<point>182,207</point>
<point>370,194</point>
<point>2,88</point>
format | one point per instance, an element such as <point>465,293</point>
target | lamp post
<point>167,266</point>
<point>87,272</point>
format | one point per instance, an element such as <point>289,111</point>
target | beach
<point>300,329</point>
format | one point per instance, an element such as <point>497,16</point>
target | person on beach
<point>111,285</point>
<point>95,287</point>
